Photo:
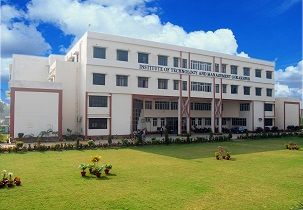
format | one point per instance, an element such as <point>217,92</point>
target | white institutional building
<point>113,85</point>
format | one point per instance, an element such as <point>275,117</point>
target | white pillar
<point>179,116</point>
<point>213,125</point>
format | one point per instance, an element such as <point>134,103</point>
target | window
<point>201,106</point>
<point>122,55</point>
<point>245,107</point>
<point>148,105</point>
<point>217,88</point>
<point>176,84</point>
<point>201,86</point>
<point>174,105</point>
<point>162,122</point>
<point>207,121</point>
<point>193,121</point>
<point>122,80</point>
<point>184,63</point>
<point>143,82</point>
<point>99,52</point>
<point>268,107</point>
<point>143,58</point>
<point>184,84</point>
<point>198,65</point>
<point>199,121</point>
<point>97,101</point>
<point>98,79</point>
<point>238,121</point>
<point>269,92</point>
<point>223,70</point>
<point>258,91</point>
<point>258,73</point>
<point>216,67</point>
<point>234,89</point>
<point>162,105</point>
<point>162,83</point>
<point>233,69</point>
<point>155,122</point>
<point>268,75</point>
<point>162,60</point>
<point>97,123</point>
<point>246,90</point>
<point>224,87</point>
<point>176,62</point>
<point>246,71</point>
<point>268,122</point>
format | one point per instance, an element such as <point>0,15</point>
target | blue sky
<point>267,29</point>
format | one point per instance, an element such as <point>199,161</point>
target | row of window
<point>246,107</point>
<point>101,101</point>
<point>122,80</point>
<point>122,55</point>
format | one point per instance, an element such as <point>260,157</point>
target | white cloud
<point>127,18</point>
<point>289,81</point>
<point>18,37</point>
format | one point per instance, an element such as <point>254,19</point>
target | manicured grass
<point>261,175</point>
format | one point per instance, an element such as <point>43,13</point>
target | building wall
<point>292,114</point>
<point>258,107</point>
<point>287,112</point>
<point>35,112</point>
<point>23,68</point>
<point>66,75</point>
<point>121,114</point>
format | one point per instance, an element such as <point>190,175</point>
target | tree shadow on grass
<point>205,150</point>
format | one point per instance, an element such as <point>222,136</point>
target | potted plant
<point>4,177</point>
<point>227,156</point>
<point>98,171</point>
<point>108,167</point>
<point>17,181</point>
<point>2,184</point>
<point>83,167</point>
<point>10,182</point>
<point>217,155</point>
<point>91,168</point>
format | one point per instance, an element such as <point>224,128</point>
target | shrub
<point>166,137</point>
<point>222,154</point>
<point>292,146</point>
<point>267,129</point>
<point>19,145</point>
<point>91,143</point>
<point>110,139</point>
<point>291,128</point>
<point>274,129</point>
<point>259,130</point>
<point>20,135</point>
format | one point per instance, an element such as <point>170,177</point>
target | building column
<point>213,119</point>
<point>220,124</point>
<point>188,106</point>
<point>180,107</point>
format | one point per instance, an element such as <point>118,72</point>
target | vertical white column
<point>180,107</point>
<point>213,125</point>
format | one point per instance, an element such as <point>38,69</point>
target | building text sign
<point>146,67</point>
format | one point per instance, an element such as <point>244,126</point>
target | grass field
<point>261,175</point>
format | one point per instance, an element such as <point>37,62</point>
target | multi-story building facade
<point>113,85</point>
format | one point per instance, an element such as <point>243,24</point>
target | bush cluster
<point>264,135</point>
<point>292,146</point>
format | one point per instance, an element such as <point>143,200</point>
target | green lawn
<point>261,175</point>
